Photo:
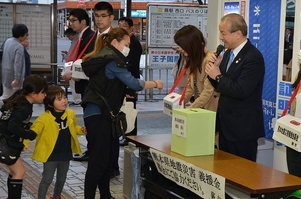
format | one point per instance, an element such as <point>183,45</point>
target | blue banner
<point>264,25</point>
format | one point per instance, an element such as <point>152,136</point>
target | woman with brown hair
<point>107,69</point>
<point>192,46</point>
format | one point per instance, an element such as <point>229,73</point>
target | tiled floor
<point>150,120</point>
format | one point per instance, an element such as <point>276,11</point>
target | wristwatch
<point>218,77</point>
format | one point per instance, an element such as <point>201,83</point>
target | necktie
<point>230,60</point>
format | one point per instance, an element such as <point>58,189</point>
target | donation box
<point>172,101</point>
<point>193,131</point>
<point>288,132</point>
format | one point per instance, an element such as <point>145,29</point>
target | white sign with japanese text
<point>165,20</point>
<point>179,125</point>
<point>203,183</point>
<point>162,57</point>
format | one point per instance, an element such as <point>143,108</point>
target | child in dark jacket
<point>14,123</point>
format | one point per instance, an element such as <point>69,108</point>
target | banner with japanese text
<point>202,182</point>
<point>264,25</point>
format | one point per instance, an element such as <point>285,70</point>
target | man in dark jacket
<point>239,80</point>
<point>79,22</point>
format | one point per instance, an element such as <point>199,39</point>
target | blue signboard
<point>231,7</point>
<point>138,13</point>
<point>264,25</point>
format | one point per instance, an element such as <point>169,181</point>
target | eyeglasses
<point>100,16</point>
<point>73,20</point>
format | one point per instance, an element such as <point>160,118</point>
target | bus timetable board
<point>165,20</point>
<point>6,21</point>
<point>38,20</point>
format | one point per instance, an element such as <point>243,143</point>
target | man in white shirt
<point>103,16</point>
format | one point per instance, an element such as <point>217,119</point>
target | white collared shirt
<point>106,31</point>
<point>238,48</point>
<point>81,33</point>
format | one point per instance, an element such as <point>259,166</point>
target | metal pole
<point>128,8</point>
<point>54,41</point>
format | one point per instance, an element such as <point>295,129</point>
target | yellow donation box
<point>193,132</point>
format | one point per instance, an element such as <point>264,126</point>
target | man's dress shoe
<point>123,142</point>
<point>84,157</point>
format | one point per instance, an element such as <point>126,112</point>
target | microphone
<point>219,49</point>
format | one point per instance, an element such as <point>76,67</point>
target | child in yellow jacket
<point>56,140</point>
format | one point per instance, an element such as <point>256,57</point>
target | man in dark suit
<point>79,22</point>
<point>239,118</point>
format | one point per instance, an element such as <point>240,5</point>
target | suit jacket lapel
<point>239,57</point>
<point>224,62</point>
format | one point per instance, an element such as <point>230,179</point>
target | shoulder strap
<point>105,101</point>
<point>177,80</point>
<point>176,83</point>
<point>73,51</point>
<point>291,100</point>
<point>81,54</point>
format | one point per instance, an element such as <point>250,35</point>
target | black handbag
<point>8,155</point>
<point>119,123</point>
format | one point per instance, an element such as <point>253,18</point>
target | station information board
<point>165,20</point>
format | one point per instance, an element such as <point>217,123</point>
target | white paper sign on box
<point>77,71</point>
<point>170,102</point>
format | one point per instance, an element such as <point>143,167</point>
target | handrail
<point>52,64</point>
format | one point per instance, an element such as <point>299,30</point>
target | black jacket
<point>111,89</point>
<point>239,114</point>
<point>134,61</point>
<point>14,124</point>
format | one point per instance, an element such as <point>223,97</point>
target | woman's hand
<point>159,84</point>
<point>154,84</point>
<point>84,130</point>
